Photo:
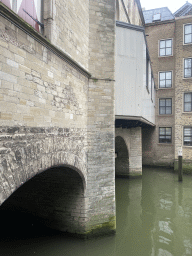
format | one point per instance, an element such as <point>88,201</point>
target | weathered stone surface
<point>53,115</point>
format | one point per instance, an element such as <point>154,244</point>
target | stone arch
<point>55,197</point>
<point>117,10</point>
<point>27,155</point>
<point>122,157</point>
<point>133,140</point>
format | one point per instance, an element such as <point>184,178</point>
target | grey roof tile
<point>164,12</point>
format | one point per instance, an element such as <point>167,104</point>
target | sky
<point>173,5</point>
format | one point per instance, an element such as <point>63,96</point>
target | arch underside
<point>122,157</point>
<point>54,197</point>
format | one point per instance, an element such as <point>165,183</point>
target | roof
<point>186,9</point>
<point>165,14</point>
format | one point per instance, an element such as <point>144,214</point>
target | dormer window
<point>157,17</point>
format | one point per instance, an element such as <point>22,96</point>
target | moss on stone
<point>102,229</point>
<point>187,166</point>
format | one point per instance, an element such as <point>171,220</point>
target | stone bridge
<point>57,156</point>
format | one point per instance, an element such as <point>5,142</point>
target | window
<point>187,136</point>
<point>157,17</point>
<point>30,11</point>
<point>147,70</point>
<point>165,47</point>
<point>188,102</point>
<point>188,34</point>
<point>165,79</point>
<point>165,106</point>
<point>188,68</point>
<point>165,134</point>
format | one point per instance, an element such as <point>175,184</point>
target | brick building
<point>170,47</point>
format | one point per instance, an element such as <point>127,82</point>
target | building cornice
<point>130,26</point>
<point>134,118</point>
<point>159,23</point>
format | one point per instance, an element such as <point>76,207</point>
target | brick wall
<point>161,153</point>
<point>182,85</point>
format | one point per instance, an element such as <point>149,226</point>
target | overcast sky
<point>173,5</point>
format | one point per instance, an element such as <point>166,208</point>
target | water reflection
<point>154,218</point>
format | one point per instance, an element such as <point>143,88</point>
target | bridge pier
<point>57,109</point>
<point>130,145</point>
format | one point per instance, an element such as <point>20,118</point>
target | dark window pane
<point>162,102</point>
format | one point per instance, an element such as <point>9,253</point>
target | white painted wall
<point>131,95</point>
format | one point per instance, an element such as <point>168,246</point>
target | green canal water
<point>154,217</point>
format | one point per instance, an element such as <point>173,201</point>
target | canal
<point>154,217</point>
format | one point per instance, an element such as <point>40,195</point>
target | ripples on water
<point>154,218</point>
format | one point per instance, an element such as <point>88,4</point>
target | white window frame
<point>165,79</point>
<point>165,47</point>
<point>184,33</point>
<point>189,112</point>
<point>165,143</point>
<point>189,77</point>
<point>166,106</point>
<point>186,126</point>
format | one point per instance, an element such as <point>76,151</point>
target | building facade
<point>134,90</point>
<point>168,37</point>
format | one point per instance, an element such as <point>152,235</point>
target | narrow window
<point>187,136</point>
<point>188,67</point>
<point>165,106</point>
<point>147,70</point>
<point>165,47</point>
<point>187,102</point>
<point>188,34</point>
<point>165,79</point>
<point>14,5</point>
<point>165,134</point>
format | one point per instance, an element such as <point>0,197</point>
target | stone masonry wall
<point>133,140</point>
<point>101,151</point>
<point>43,111</point>
<point>37,87</point>
<point>67,27</point>
<point>132,11</point>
